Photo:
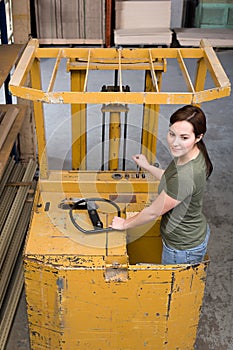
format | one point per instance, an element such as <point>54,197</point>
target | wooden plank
<point>55,41</point>
<point>21,21</point>
<point>26,62</point>
<point>10,140</point>
<point>143,36</point>
<point>9,55</point>
<point>6,124</point>
<point>27,135</point>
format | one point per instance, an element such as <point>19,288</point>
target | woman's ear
<point>198,138</point>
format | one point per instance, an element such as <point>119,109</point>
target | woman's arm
<point>159,206</point>
<point>142,162</point>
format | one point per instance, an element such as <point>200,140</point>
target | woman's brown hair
<point>196,117</point>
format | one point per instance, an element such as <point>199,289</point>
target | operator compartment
<point>106,193</point>
<point>89,286</point>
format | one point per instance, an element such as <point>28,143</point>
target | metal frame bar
<point>87,71</point>
<point>54,74</point>
<point>185,73</point>
<point>123,59</point>
<point>153,75</point>
<point>120,70</point>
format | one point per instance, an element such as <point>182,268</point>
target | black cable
<point>85,200</point>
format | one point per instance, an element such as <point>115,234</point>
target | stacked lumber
<point>218,37</point>
<point>143,23</point>
<point>11,120</point>
<point>17,187</point>
<point>6,121</point>
<point>70,22</point>
<point>143,36</point>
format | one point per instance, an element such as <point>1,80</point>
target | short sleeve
<point>178,184</point>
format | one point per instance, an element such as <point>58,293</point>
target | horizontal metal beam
<point>121,97</point>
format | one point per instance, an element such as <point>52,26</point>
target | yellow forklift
<point>88,286</point>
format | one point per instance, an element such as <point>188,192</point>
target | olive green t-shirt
<point>184,226</point>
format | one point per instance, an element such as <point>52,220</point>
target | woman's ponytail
<point>209,165</point>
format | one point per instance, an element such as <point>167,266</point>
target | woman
<point>184,229</point>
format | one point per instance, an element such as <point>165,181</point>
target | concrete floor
<point>215,331</point>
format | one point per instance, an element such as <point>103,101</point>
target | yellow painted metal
<point>97,291</point>
<point>108,290</point>
<point>150,117</point>
<point>200,75</point>
<point>136,59</point>
<point>54,73</point>
<point>114,140</point>
<point>39,120</point>
<point>213,65</point>
<point>201,71</point>
<point>121,97</point>
<point>81,61</point>
<point>117,315</point>
<point>86,182</point>
<point>115,111</point>
<point>78,112</point>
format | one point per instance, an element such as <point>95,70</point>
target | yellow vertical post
<point>150,121</point>
<point>200,76</point>
<point>78,112</point>
<point>39,120</point>
<point>114,139</point>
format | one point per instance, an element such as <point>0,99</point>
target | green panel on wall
<point>230,17</point>
<point>214,14</point>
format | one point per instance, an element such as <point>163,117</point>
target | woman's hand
<point>141,161</point>
<point>117,223</point>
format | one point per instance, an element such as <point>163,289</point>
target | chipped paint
<point>81,308</point>
<point>170,295</point>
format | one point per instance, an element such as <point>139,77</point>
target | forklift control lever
<point>93,214</point>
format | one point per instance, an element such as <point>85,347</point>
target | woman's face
<point>181,139</point>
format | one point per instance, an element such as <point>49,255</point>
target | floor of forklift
<point>216,322</point>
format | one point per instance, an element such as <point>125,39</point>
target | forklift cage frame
<point>80,61</point>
